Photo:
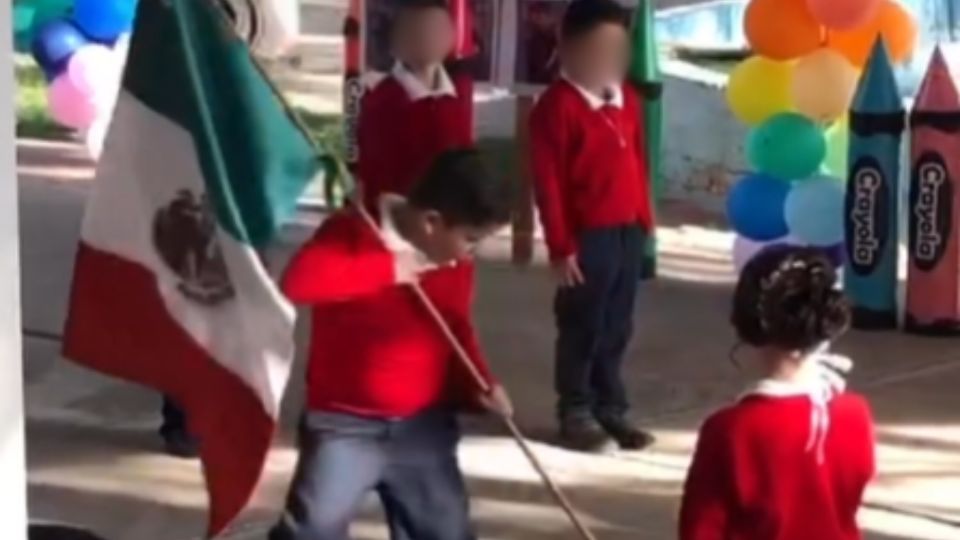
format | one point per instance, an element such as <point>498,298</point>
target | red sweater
<point>753,478</point>
<point>399,137</point>
<point>589,166</point>
<point>374,350</point>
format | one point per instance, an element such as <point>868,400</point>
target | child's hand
<point>567,271</point>
<point>497,401</point>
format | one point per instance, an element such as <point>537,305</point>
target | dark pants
<point>411,464</point>
<point>174,419</point>
<point>595,322</point>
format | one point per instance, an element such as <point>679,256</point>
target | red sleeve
<point>339,263</point>
<point>463,81</point>
<point>373,146</point>
<point>548,146</point>
<point>703,513</point>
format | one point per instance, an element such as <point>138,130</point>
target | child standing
<point>591,181</point>
<point>383,382</point>
<point>420,109</point>
<point>792,458</point>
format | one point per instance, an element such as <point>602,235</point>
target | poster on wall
<point>379,19</point>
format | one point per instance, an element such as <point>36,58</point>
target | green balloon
<point>838,147</point>
<point>30,15</point>
<point>23,16</point>
<point>788,145</point>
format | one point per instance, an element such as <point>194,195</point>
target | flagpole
<point>559,497</point>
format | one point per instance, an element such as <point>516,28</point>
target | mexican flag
<point>201,166</point>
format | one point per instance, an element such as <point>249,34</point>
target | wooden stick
<point>464,357</point>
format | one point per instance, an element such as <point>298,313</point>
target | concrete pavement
<point>94,459</point>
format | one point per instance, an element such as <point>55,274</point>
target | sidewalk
<point>94,459</point>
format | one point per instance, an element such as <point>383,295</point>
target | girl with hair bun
<point>791,459</point>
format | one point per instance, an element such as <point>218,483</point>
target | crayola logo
<point>931,196</point>
<point>866,215</point>
<point>352,94</point>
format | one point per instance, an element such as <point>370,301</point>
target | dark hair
<point>787,298</point>
<point>407,7</point>
<point>460,187</point>
<point>584,16</point>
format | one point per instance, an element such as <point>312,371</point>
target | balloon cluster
<point>81,46</point>
<point>795,93</point>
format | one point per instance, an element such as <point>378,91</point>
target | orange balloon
<point>782,29</point>
<point>892,21</point>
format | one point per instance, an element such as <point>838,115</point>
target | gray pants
<point>411,463</point>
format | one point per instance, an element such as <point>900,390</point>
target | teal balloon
<point>788,145</point>
<point>31,15</point>
<point>814,211</point>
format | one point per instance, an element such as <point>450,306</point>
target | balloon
<point>29,17</point>
<point>843,14</point>
<point>745,249</point>
<point>898,27</point>
<point>104,20</point>
<point>96,135</point>
<point>781,29</point>
<point>92,66</point>
<point>55,42</point>
<point>70,106</point>
<point>758,88</point>
<point>823,85</point>
<point>838,146</point>
<point>787,145</point>
<point>814,211</point>
<point>755,207</point>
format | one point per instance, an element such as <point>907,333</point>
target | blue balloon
<point>814,211</point>
<point>104,20</point>
<point>755,207</point>
<point>54,43</point>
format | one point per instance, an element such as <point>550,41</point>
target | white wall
<point>13,518</point>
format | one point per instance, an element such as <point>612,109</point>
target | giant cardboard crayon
<point>646,77</point>
<point>352,80</point>
<point>877,122</point>
<point>933,273</point>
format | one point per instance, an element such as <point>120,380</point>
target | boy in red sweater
<point>791,460</point>
<point>383,382</point>
<point>591,186</point>
<point>419,110</point>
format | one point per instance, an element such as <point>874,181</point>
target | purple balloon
<point>55,43</point>
<point>71,106</point>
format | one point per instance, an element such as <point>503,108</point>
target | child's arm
<point>548,146</point>
<point>703,513</point>
<point>643,164</point>
<point>335,266</point>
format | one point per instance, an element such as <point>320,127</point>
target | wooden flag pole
<point>561,499</point>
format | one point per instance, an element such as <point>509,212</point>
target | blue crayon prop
<point>877,122</point>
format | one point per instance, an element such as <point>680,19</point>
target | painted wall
<point>13,488</point>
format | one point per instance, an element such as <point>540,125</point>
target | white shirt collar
<point>417,90</point>
<point>614,94</point>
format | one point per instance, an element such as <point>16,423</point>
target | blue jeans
<point>595,323</point>
<point>410,463</point>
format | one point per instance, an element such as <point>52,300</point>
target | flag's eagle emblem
<point>185,237</point>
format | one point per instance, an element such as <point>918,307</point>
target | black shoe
<point>585,435</point>
<point>628,436</point>
<point>181,444</point>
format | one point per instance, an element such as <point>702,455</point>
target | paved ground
<point>94,458</point>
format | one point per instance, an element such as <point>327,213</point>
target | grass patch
<point>33,115</point>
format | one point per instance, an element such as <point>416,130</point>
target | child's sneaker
<point>628,436</point>
<point>585,435</point>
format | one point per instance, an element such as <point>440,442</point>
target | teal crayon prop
<point>877,122</point>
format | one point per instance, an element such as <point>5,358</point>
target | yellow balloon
<point>759,88</point>
<point>823,85</point>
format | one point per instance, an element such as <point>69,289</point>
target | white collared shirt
<point>415,88</point>
<point>614,95</point>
